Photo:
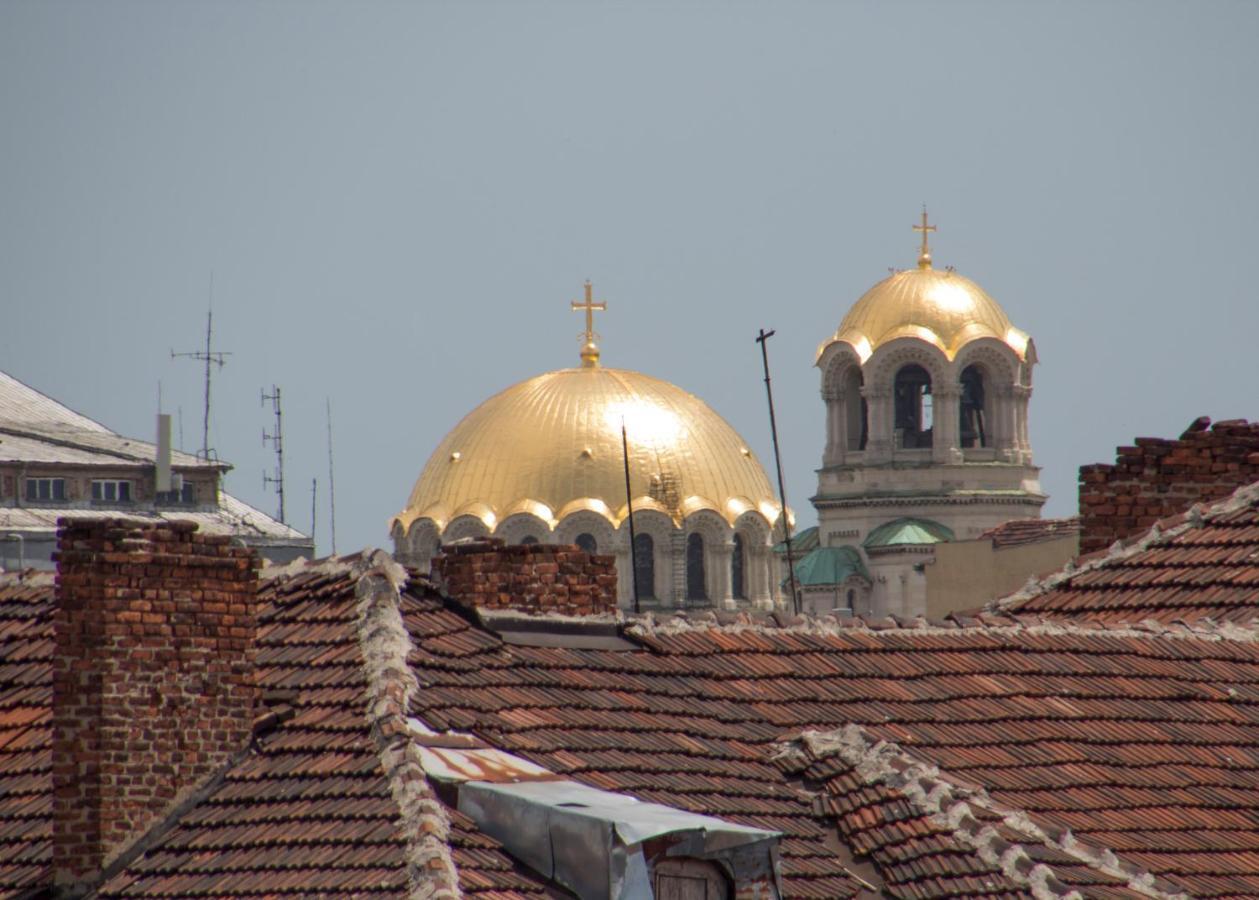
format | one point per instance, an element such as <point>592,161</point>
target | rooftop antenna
<point>211,358</point>
<point>332,485</point>
<point>276,439</point>
<point>181,429</point>
<point>314,496</point>
<point>629,506</point>
<point>761,339</point>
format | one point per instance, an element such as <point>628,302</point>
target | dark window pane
<point>645,565</point>
<point>586,541</point>
<point>124,491</point>
<point>696,588</point>
<point>528,539</point>
<point>737,588</point>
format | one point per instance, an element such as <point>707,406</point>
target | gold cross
<point>590,350</point>
<point>924,258</point>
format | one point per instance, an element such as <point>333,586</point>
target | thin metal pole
<point>782,491</point>
<point>629,505</point>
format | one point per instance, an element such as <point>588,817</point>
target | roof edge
<point>949,805</point>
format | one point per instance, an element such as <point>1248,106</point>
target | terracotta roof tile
<point>1197,566</point>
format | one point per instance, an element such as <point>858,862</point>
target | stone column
<point>879,426</point>
<point>1022,395</point>
<point>720,555</point>
<point>1004,437</point>
<point>677,557</point>
<point>833,455</point>
<point>946,440</point>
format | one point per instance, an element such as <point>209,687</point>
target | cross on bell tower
<point>924,256</point>
<point>589,349</point>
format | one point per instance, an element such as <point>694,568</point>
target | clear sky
<point>397,202</point>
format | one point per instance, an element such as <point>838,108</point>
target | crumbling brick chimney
<point>529,578</point>
<point>153,683</point>
<point>1158,478</point>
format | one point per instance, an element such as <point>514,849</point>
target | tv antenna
<point>332,486</point>
<point>211,358</point>
<point>276,440</point>
<point>314,499</point>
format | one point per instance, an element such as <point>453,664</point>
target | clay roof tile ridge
<point>952,806</point>
<point>385,645</point>
<point>1244,497</point>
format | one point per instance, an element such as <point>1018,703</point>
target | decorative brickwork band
<point>153,678</point>
<point>1157,479</point>
<point>529,578</point>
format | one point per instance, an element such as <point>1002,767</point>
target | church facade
<point>926,386</point>
<point>563,458</point>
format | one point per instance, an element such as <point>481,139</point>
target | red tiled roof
<point>1200,565</point>
<point>1031,531</point>
<point>1079,741</point>
<point>25,730</point>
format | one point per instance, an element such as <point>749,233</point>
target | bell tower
<point>926,385</point>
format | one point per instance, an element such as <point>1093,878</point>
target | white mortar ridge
<point>828,626</point>
<point>385,645</point>
<point>950,805</point>
<point>1196,517</point>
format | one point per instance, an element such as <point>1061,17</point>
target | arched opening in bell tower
<point>973,426</point>
<point>738,583</point>
<point>855,409</point>
<point>913,408</point>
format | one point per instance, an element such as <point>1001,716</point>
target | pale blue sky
<point>398,200</point>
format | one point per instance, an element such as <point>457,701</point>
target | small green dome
<point>907,531</point>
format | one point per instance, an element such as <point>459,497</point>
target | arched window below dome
<point>645,566</point>
<point>696,588</point>
<point>913,411</point>
<point>738,587</point>
<point>587,542</point>
<point>855,409</point>
<point>972,427</point>
<point>528,539</point>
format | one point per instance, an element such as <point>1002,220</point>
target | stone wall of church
<point>1157,478</point>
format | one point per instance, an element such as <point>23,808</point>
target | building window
<point>738,589</point>
<point>696,588</point>
<point>913,412</point>
<point>587,542</point>
<point>184,496</point>
<point>45,490</point>
<point>972,431</point>
<point>110,490</point>
<point>528,539</point>
<point>645,566</point>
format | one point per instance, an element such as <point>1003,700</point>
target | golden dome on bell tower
<point>938,306</point>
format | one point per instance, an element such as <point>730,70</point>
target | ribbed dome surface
<point>552,444</point>
<point>940,307</point>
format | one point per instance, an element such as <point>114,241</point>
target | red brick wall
<point>1158,478</point>
<point>153,686</point>
<point>532,578</point>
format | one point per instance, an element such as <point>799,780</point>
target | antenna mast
<point>332,486</point>
<point>276,439</point>
<point>761,339</point>
<point>314,496</point>
<point>211,358</point>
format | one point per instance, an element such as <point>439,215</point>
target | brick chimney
<point>1158,478</point>
<point>528,578</point>
<point>153,683</point>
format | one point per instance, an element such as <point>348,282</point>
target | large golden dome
<point>551,445</point>
<point>939,307</point>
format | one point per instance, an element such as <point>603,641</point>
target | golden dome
<point>551,445</point>
<point>939,307</point>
